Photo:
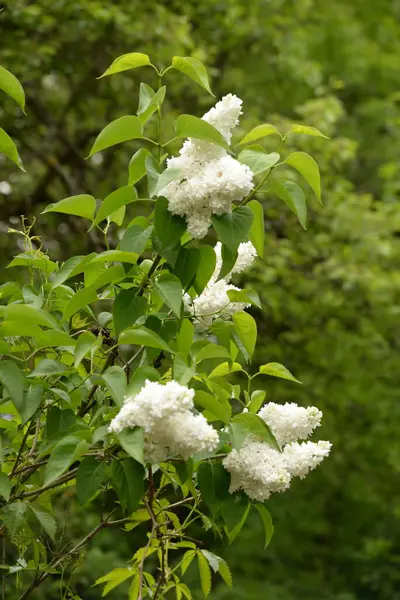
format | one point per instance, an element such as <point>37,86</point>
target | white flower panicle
<point>214,301</point>
<point>290,422</point>
<point>165,413</point>
<point>209,179</point>
<point>260,470</point>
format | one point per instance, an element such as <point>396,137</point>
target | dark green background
<point>330,295</point>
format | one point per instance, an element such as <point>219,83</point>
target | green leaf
<point>206,268</point>
<point>132,441</point>
<point>121,130</point>
<point>187,265</point>
<point>27,259</point>
<point>225,573</point>
<point>205,573</point>
<point>146,94</point>
<point>139,377</point>
<point>307,130</point>
<point>30,314</point>
<point>233,228</point>
<point>259,132</point>
<point>9,149</point>
<point>165,178</point>
<point>45,518</point>
<point>115,578</point>
<point>154,102</point>
<point>257,399</point>
<point>137,165</point>
<point>51,338</point>
<point>48,367</point>
<point>214,481</point>
<point>246,330</point>
<point>277,370</point>
<point>258,161</point>
<point>188,126</point>
<point>73,266</point>
<point>135,239</point>
<point>131,60</point>
<point>115,380</point>
<point>127,309</point>
<point>13,380</point>
<point>212,351</point>
<point>293,196</point>
<point>86,342</point>
<point>308,168</point>
<point>91,474</point>
<point>168,228</point>
<point>170,289</point>
<point>212,405</point>
<point>32,401</point>
<point>14,517</point>
<point>141,336</point>
<point>187,560</point>
<point>82,205</point>
<point>267,522</point>
<point>5,486</point>
<point>184,338</point>
<point>194,69</point>
<point>64,453</point>
<point>12,87</point>
<point>153,173</point>
<point>121,197</point>
<point>116,256</point>
<point>82,298</point>
<point>128,477</point>
<point>246,295</point>
<point>256,232</point>
<point>254,425</point>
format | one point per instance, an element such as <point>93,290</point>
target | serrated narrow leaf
<point>194,69</point>
<point>9,149</point>
<point>188,126</point>
<point>131,60</point>
<point>45,518</point>
<point>277,370</point>
<point>14,517</point>
<point>293,196</point>
<point>257,161</point>
<point>259,132</point>
<point>5,486</point>
<point>142,336</point>
<point>205,573</point>
<point>91,474</point>
<point>12,87</point>
<point>307,130</point>
<point>82,205</point>
<point>267,522</point>
<point>187,560</point>
<point>120,130</point>
<point>308,168</point>
<point>233,228</point>
<point>170,289</point>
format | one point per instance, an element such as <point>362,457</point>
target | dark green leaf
<point>45,518</point>
<point>128,477</point>
<point>186,266</point>
<point>49,367</point>
<point>5,486</point>
<point>267,522</point>
<point>206,268</point>
<point>170,289</point>
<point>233,228</point>
<point>168,228</point>
<point>64,453</point>
<point>213,480</point>
<point>115,380</point>
<point>91,474</point>
<point>127,309</point>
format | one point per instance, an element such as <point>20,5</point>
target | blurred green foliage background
<point>331,294</point>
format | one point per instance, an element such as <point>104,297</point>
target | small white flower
<point>290,422</point>
<point>171,428</point>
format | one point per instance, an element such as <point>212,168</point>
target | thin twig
<point>35,439</point>
<point>86,406</point>
<point>63,479</point>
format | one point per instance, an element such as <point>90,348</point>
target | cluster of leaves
<point>72,352</point>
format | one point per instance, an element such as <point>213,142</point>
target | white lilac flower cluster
<point>214,301</point>
<point>209,178</point>
<point>166,414</point>
<point>260,470</point>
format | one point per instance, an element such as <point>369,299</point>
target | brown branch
<point>86,406</point>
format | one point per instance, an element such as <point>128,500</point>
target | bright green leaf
<point>13,380</point>
<point>131,60</point>
<point>246,330</point>
<point>308,168</point>
<point>82,205</point>
<point>194,69</point>
<point>12,87</point>
<point>259,132</point>
<point>254,425</point>
<point>9,149</point>
<point>121,197</point>
<point>258,161</point>
<point>188,126</point>
<point>5,486</point>
<point>121,130</point>
<point>256,233</point>
<point>135,239</point>
<point>115,380</point>
<point>137,165</point>
<point>212,405</point>
<point>64,453</point>
<point>277,370</point>
<point>307,130</point>
<point>205,573</point>
<point>141,336</point>
<point>267,522</point>
<point>48,367</point>
<point>86,342</point>
<point>293,196</point>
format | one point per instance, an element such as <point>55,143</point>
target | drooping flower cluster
<point>260,470</point>
<point>209,179</point>
<point>166,414</point>
<point>214,300</point>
